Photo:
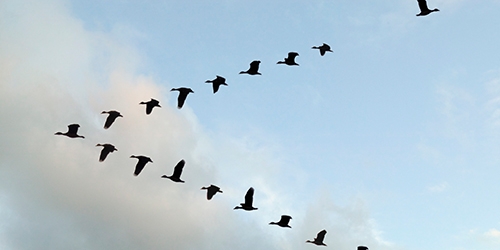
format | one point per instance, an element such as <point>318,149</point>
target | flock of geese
<point>216,83</point>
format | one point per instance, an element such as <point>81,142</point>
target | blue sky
<point>389,142</point>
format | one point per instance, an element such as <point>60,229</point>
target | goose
<point>323,49</point>
<point>211,191</point>
<point>253,70</point>
<point>72,131</point>
<point>362,248</point>
<point>176,176</point>
<point>150,105</point>
<point>283,221</point>
<point>141,163</point>
<point>424,10</point>
<point>107,148</point>
<point>112,115</point>
<point>183,93</point>
<point>217,82</point>
<point>319,239</point>
<point>248,201</point>
<point>290,60</point>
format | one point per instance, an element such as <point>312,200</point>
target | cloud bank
<point>56,195</point>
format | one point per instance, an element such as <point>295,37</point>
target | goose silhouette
<point>285,219</point>
<point>424,10</point>
<point>323,49</point>
<point>112,115</point>
<point>107,148</point>
<point>141,163</point>
<point>183,93</point>
<point>150,105</point>
<point>72,131</point>
<point>253,70</point>
<point>176,176</point>
<point>290,60</point>
<point>319,239</point>
<point>248,201</point>
<point>211,191</point>
<point>219,80</point>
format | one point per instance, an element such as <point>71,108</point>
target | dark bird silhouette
<point>183,93</point>
<point>283,221</point>
<point>424,10</point>
<point>362,248</point>
<point>150,105</point>
<point>323,49</point>
<point>290,60</point>
<point>141,163</point>
<point>248,201</point>
<point>211,191</point>
<point>107,148</point>
<point>72,131</point>
<point>253,70</point>
<point>217,82</point>
<point>319,239</point>
<point>112,115</point>
<point>176,176</point>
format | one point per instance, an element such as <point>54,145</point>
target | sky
<point>391,141</point>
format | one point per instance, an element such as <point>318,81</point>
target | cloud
<point>56,195</point>
<point>439,188</point>
<point>493,234</point>
<point>489,239</point>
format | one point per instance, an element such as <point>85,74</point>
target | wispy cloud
<point>439,188</point>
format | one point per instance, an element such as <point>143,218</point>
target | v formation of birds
<point>247,205</point>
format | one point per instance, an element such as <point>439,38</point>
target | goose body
<point>248,201</point>
<point>176,176</point>
<point>72,131</point>
<point>219,80</point>
<point>323,49</point>
<point>141,163</point>
<point>112,115</point>
<point>211,191</point>
<point>285,219</point>
<point>319,239</point>
<point>253,70</point>
<point>362,248</point>
<point>150,105</point>
<point>107,148</point>
<point>424,10</point>
<point>183,93</point>
<point>290,60</point>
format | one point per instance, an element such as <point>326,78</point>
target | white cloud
<point>493,234</point>
<point>56,195</point>
<point>439,188</point>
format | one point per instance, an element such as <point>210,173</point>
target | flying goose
<point>253,70</point>
<point>248,201</point>
<point>424,10</point>
<point>217,82</point>
<point>319,239</point>
<point>211,191</point>
<point>72,131</point>
<point>150,105</point>
<point>107,148</point>
<point>285,219</point>
<point>323,49</point>
<point>141,163</point>
<point>290,60</point>
<point>183,93</point>
<point>176,176</point>
<point>112,115</point>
